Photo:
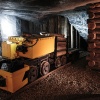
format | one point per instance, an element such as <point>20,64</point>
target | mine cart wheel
<point>45,68</point>
<point>57,62</point>
<point>33,74</point>
<point>63,60</point>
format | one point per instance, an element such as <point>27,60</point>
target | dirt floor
<point>73,82</point>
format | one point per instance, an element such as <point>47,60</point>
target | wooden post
<point>94,36</point>
<point>94,15</point>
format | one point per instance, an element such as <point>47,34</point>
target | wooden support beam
<point>61,48</point>
<point>97,25</point>
<point>95,31</point>
<point>94,50</point>
<point>92,58</point>
<point>93,25</point>
<point>92,6</point>
<point>91,36</point>
<point>94,45</point>
<point>94,15</point>
<point>91,15</point>
<point>94,54</point>
<point>62,44</point>
<point>93,41</point>
<point>93,63</point>
<point>61,39</point>
<point>61,53</point>
<point>95,5</point>
<point>94,37</point>
<point>95,20</point>
<point>94,10</point>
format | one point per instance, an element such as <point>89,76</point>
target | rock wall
<point>79,20</point>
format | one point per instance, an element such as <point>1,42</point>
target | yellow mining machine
<point>24,57</point>
<point>20,58</point>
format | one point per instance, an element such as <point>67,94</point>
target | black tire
<point>63,60</point>
<point>57,62</point>
<point>33,74</point>
<point>44,68</point>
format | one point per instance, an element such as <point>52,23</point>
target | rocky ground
<point>75,81</point>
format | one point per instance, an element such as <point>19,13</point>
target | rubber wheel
<point>63,60</point>
<point>44,68</point>
<point>33,74</point>
<point>57,62</point>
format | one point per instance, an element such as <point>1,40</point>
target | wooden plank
<point>61,48</point>
<point>97,15</point>
<point>94,45</point>
<point>94,10</point>
<point>94,36</point>
<point>63,44</point>
<point>94,50</point>
<point>95,31</point>
<point>94,54</point>
<point>92,58</point>
<point>97,25</point>
<point>95,20</point>
<point>59,35</point>
<point>93,25</point>
<point>93,41</point>
<point>61,53</point>
<point>94,15</point>
<point>97,4</point>
<point>91,36</point>
<point>91,15</point>
<point>61,39</point>
<point>94,64</point>
<point>92,6</point>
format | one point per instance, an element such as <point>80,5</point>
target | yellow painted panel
<point>14,81</point>
<point>9,50</point>
<point>5,50</point>
<point>43,46</point>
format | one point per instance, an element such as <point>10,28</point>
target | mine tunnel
<point>49,49</point>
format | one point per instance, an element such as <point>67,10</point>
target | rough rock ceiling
<point>36,9</point>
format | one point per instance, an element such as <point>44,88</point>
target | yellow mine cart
<point>13,81</point>
<point>9,47</point>
<point>35,49</point>
<point>9,50</point>
<point>42,46</point>
<point>17,48</point>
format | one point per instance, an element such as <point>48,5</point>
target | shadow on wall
<point>83,44</point>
